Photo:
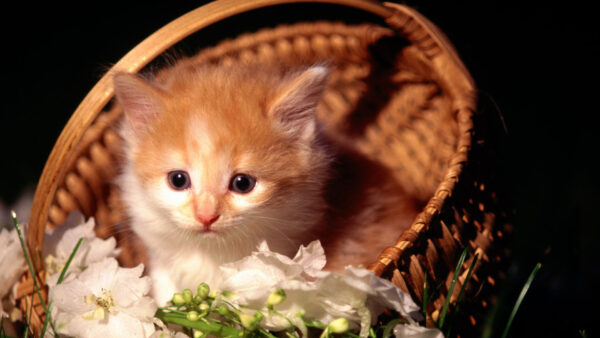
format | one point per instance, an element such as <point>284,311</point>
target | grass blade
<point>461,260</point>
<point>64,270</point>
<point>462,290</point>
<point>45,327</point>
<point>426,292</point>
<point>31,269</point>
<point>520,299</point>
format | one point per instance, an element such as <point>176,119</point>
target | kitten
<point>219,159</point>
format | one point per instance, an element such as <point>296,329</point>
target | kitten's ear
<point>140,100</point>
<point>295,107</point>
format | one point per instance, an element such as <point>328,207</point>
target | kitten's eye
<point>179,180</point>
<point>242,183</point>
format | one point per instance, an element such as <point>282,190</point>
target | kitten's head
<point>215,152</point>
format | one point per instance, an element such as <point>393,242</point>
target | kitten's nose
<point>207,218</point>
<point>206,209</point>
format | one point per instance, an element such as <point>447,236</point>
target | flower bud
<point>178,299</point>
<point>198,334</point>
<point>203,290</point>
<point>276,297</point>
<point>339,325</point>
<point>249,322</point>
<point>187,296</point>
<point>258,316</point>
<point>203,307</point>
<point>193,316</point>
<point>222,310</point>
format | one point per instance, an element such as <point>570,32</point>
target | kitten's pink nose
<point>207,218</point>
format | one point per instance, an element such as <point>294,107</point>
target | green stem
<point>314,324</point>
<point>168,309</point>
<point>282,315</point>
<point>32,270</point>
<point>387,331</point>
<point>204,326</point>
<point>325,333</point>
<point>266,333</point>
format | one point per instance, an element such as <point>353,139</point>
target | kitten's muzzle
<point>206,209</point>
<point>207,219</point>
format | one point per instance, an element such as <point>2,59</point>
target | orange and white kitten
<point>219,159</point>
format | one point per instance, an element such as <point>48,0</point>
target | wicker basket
<point>398,91</point>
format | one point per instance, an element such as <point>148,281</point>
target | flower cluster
<point>90,295</point>
<point>269,292</point>
<point>104,300</point>
<point>60,243</point>
<point>96,297</point>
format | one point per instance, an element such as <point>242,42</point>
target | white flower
<point>359,295</point>
<point>59,245</point>
<point>416,331</point>
<point>252,279</point>
<point>104,301</point>
<point>12,262</point>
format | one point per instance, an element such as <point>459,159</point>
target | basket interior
<point>382,97</point>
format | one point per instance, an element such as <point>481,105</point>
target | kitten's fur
<point>215,122</point>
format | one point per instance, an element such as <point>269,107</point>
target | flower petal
<point>311,258</point>
<point>415,331</point>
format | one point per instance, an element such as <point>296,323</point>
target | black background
<point>536,61</point>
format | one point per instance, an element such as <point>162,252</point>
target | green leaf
<point>520,298</point>
<point>461,260</point>
<point>462,291</point>
<point>426,293</point>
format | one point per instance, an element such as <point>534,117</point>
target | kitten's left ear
<point>295,107</point>
<point>141,101</point>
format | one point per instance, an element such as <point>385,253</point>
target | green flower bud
<point>203,307</point>
<point>187,295</point>
<point>275,298</point>
<point>339,325</point>
<point>178,299</point>
<point>258,316</point>
<point>203,291</point>
<point>222,310</point>
<point>249,322</point>
<point>193,316</point>
<point>198,334</point>
<point>213,294</point>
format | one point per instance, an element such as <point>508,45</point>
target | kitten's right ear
<point>140,100</point>
<point>296,106</point>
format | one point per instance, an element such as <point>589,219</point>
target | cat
<point>219,158</point>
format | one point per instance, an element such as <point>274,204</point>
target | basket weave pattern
<point>398,92</point>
